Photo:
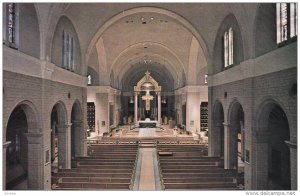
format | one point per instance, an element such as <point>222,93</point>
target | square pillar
<point>79,138</point>
<point>5,145</point>
<point>136,108</point>
<point>230,147</point>
<point>64,146</point>
<point>293,157</point>
<point>35,161</point>
<point>260,164</point>
<point>159,108</point>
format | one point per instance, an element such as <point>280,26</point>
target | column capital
<point>158,93</point>
<point>6,144</point>
<point>77,123</point>
<point>291,144</point>
<point>136,93</point>
<point>34,138</point>
<point>218,124</point>
<point>61,128</point>
<point>226,124</point>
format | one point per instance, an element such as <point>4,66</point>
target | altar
<point>147,123</point>
<point>147,102</point>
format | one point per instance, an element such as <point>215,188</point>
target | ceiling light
<point>152,18</point>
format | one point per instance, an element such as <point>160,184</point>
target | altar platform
<point>147,123</point>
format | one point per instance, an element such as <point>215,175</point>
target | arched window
<point>68,51</point>
<point>89,79</point>
<point>12,24</point>
<point>226,63</point>
<point>228,48</point>
<point>286,14</point>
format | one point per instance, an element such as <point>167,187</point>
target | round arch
<point>272,134</point>
<point>23,140</point>
<point>77,132</point>
<point>217,130</point>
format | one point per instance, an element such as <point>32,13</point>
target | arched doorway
<point>217,133</point>
<point>77,133</point>
<point>236,141</point>
<point>273,133</point>
<point>23,149</point>
<point>59,137</point>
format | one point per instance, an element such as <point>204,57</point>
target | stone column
<point>159,108</point>
<point>293,157</point>
<point>35,161</point>
<point>242,141</point>
<point>260,162</point>
<point>5,145</point>
<point>64,146</point>
<point>136,108</point>
<point>53,141</point>
<point>79,138</point>
<point>215,140</point>
<point>230,147</point>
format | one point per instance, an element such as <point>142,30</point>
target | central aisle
<point>147,174</point>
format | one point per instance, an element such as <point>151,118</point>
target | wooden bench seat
<point>210,170</point>
<point>91,179</point>
<point>198,167</point>
<point>165,153</point>
<point>102,171</point>
<point>92,163</point>
<point>95,158</point>
<point>208,185</point>
<point>106,166</point>
<point>187,164</point>
<point>199,175</point>
<point>195,180</point>
<point>100,175</point>
<point>97,185</point>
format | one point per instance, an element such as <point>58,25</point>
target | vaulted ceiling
<point>175,40</point>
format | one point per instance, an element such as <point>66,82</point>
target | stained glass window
<point>11,23</point>
<point>286,14</point>
<point>294,19</point>
<point>68,51</point>
<point>228,47</point>
<point>89,79</point>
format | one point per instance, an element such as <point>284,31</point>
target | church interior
<point>149,96</point>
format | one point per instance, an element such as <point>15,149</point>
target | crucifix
<point>147,98</point>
